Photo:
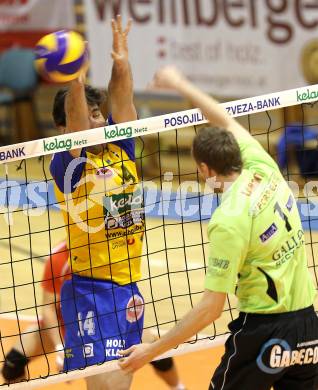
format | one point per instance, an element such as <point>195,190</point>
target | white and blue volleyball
<point>61,56</point>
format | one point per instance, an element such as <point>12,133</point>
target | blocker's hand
<point>120,46</point>
<point>139,355</point>
<point>81,79</point>
<point>167,77</point>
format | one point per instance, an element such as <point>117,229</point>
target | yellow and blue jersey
<point>102,208</point>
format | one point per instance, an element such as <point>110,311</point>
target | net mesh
<point>178,206</point>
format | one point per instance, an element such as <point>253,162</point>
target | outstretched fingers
<point>128,27</point>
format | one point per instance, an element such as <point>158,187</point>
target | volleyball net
<point>177,207</point>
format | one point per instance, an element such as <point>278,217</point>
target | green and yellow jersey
<point>257,246</point>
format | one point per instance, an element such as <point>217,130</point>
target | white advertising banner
<point>32,15</point>
<point>227,47</point>
<point>154,125</point>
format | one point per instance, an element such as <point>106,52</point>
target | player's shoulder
<point>234,223</point>
<point>255,157</point>
<point>232,216</point>
<point>236,199</point>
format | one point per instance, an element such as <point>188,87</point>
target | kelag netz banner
<point>228,47</point>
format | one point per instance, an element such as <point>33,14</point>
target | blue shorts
<point>100,318</point>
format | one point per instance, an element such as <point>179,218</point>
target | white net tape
<point>154,125</point>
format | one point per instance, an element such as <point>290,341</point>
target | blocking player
<point>274,341</point>
<point>97,189</point>
<point>50,339</point>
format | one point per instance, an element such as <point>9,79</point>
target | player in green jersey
<point>274,341</point>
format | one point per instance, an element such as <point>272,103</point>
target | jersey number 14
<point>88,325</point>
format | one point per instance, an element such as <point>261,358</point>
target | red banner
<point>24,22</point>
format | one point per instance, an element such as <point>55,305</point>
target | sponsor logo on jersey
<point>219,263</point>
<point>217,267</point>
<point>252,184</point>
<point>268,233</point>
<point>88,350</point>
<point>277,354</point>
<point>130,241</point>
<point>125,221</point>
<point>118,243</point>
<point>134,308</point>
<point>113,346</point>
<point>68,353</point>
<point>104,172</point>
<point>260,202</point>
<point>123,211</point>
<point>124,232</point>
<point>118,204</point>
<point>123,242</point>
<point>12,153</point>
<point>287,250</point>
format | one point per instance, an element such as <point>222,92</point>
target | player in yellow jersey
<point>97,189</point>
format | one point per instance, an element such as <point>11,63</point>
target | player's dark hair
<point>218,149</point>
<point>93,96</point>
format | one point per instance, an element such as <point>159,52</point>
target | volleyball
<point>60,56</point>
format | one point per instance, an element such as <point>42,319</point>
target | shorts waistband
<point>76,277</point>
<point>278,316</point>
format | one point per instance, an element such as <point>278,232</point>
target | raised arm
<point>120,87</point>
<point>171,78</point>
<point>76,109</point>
